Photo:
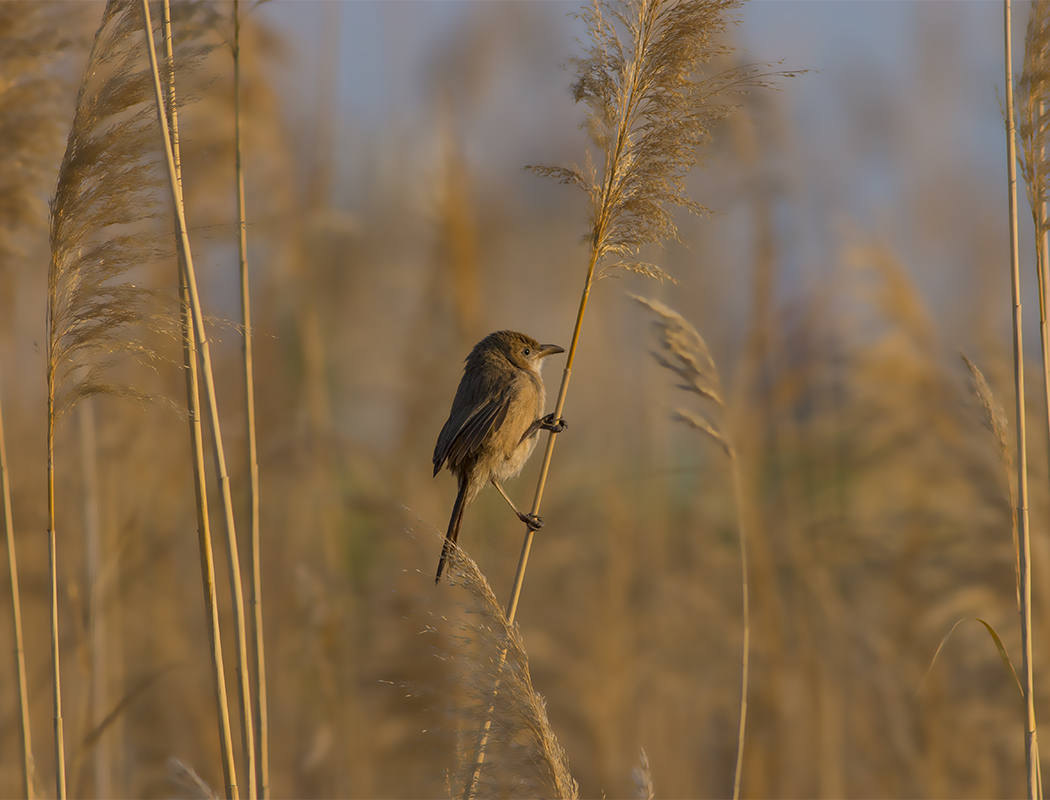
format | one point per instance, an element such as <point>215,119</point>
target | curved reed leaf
<point>1008,665</point>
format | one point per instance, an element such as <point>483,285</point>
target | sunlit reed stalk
<point>1024,549</point>
<point>56,672</point>
<point>25,731</point>
<point>649,112</point>
<point>262,735</point>
<point>686,355</point>
<point>1033,132</point>
<point>1033,128</point>
<point>204,540</point>
<point>645,123</point>
<point>204,355</point>
<point>98,645</point>
<point>1033,90</point>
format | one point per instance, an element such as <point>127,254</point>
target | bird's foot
<point>533,521</point>
<point>549,423</point>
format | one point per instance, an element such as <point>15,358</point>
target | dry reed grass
<point>106,187</point>
<point>491,666</point>
<point>649,111</point>
<point>881,501</point>
<point>1021,519</point>
<point>685,354</point>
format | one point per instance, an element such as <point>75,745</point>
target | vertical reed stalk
<point>1039,208</point>
<point>104,189</point>
<point>26,738</point>
<point>1042,267</point>
<point>52,562</point>
<point>1024,540</point>
<point>548,453</point>
<point>649,113</point>
<point>519,575</point>
<point>204,354</point>
<point>98,642</point>
<point>745,601</point>
<point>262,755</point>
<point>1033,87</point>
<point>204,540</point>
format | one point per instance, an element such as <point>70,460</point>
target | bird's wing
<point>461,437</point>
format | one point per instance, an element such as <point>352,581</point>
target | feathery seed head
<point>650,111</point>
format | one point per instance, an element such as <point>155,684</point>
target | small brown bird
<point>493,425</point>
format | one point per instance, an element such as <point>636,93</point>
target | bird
<point>494,423</point>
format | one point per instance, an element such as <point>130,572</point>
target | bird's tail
<point>453,526</point>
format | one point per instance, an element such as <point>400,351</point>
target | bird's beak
<point>550,350</point>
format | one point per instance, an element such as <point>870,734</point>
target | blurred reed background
<point>856,242</point>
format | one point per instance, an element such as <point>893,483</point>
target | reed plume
<point>650,110</point>
<point>993,417</point>
<point>102,217</point>
<point>105,191</point>
<point>103,228</point>
<point>643,778</point>
<point>1033,115</point>
<point>684,352</point>
<point>526,758</point>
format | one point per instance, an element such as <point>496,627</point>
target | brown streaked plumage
<point>494,421</point>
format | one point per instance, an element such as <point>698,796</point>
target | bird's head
<point>522,351</point>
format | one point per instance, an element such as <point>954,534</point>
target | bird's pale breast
<point>526,407</point>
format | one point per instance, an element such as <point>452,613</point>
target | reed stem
<point>262,735</point>
<point>52,563</point>
<point>745,658</point>
<point>204,539</point>
<point>204,355</point>
<point>1024,540</point>
<point>26,738</point>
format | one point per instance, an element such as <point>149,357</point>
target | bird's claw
<point>533,521</point>
<point>549,423</point>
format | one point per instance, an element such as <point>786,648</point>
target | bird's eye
<point>526,351</point>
